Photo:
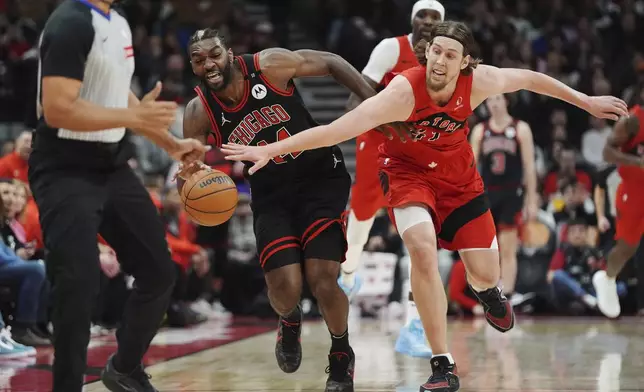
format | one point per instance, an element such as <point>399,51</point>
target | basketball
<point>209,197</point>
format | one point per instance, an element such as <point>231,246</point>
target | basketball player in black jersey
<point>299,198</point>
<point>504,149</point>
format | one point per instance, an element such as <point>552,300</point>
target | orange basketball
<point>209,197</point>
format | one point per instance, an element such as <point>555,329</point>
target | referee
<point>83,186</point>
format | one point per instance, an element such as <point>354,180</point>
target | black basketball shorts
<point>506,206</point>
<point>308,224</point>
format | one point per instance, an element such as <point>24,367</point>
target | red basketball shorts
<point>366,194</point>
<point>629,223</point>
<point>452,190</point>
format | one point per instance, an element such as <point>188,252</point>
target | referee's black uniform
<point>83,186</point>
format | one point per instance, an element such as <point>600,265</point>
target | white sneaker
<point>95,330</point>
<point>9,348</point>
<point>590,301</point>
<point>220,312</point>
<point>213,311</point>
<point>607,299</point>
<point>518,299</point>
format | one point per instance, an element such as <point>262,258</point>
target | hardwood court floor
<point>570,354</point>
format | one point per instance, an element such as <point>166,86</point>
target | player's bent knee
<point>420,241</point>
<point>322,276</point>
<point>479,264</point>
<point>416,227</point>
<point>284,287</point>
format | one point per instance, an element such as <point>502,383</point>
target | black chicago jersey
<point>266,115</point>
<point>501,168</point>
<point>501,164</point>
<point>298,199</point>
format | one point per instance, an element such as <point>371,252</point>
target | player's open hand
<point>403,130</point>
<point>257,154</point>
<point>607,107</point>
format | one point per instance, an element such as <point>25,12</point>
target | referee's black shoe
<point>136,381</point>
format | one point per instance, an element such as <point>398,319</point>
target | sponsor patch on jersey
<point>259,91</point>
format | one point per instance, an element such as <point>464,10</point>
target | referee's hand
<point>152,115</point>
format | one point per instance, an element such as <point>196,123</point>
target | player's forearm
<point>345,128</point>
<point>615,156</point>
<point>309,140</point>
<point>84,116</point>
<point>353,102</point>
<point>543,84</point>
<point>348,76</point>
<point>161,138</point>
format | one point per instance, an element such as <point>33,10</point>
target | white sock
<point>447,355</point>
<point>357,237</point>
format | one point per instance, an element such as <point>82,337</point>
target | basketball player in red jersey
<point>504,149</point>
<point>391,56</point>
<point>625,148</point>
<point>432,185</point>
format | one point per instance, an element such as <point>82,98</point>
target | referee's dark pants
<point>74,207</point>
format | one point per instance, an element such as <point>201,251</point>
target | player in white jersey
<point>389,57</point>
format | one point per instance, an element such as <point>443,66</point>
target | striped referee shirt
<point>84,43</point>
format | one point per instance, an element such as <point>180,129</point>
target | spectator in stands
<point>573,266</point>
<point>115,289</point>
<point>573,202</point>
<point>243,248</point>
<point>243,279</point>
<point>9,348</point>
<point>32,291</point>
<point>25,212</point>
<point>15,165</point>
<point>566,168</point>
<point>190,259</point>
<point>13,196</point>
<point>594,139</point>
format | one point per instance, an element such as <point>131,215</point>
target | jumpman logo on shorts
<point>335,161</point>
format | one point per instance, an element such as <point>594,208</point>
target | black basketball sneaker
<point>288,349</point>
<point>340,371</point>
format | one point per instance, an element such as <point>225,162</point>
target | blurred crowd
<point>590,45</point>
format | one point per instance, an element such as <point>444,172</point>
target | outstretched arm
<point>624,130</point>
<point>281,65</point>
<point>395,103</point>
<point>489,80</point>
